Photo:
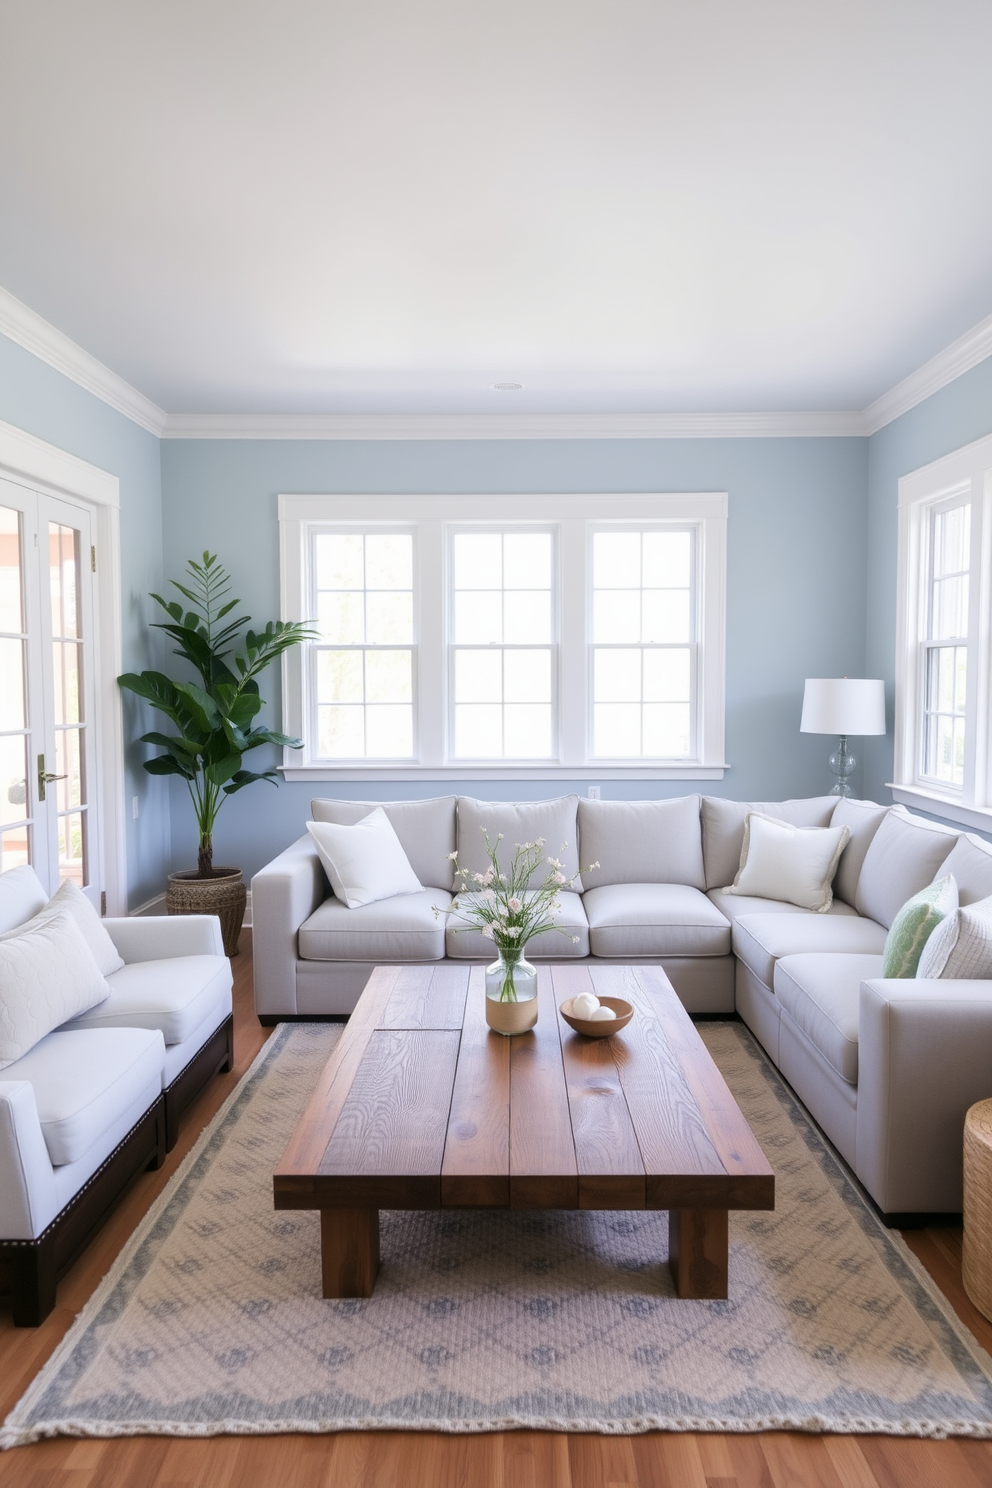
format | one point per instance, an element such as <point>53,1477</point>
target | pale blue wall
<point>952,417</point>
<point>36,398</point>
<point>796,580</point>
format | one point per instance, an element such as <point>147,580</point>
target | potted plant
<point>213,718</point>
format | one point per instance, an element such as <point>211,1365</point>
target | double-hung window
<point>471,637</point>
<point>943,653</point>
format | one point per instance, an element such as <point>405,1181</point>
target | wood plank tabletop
<point>421,1106</point>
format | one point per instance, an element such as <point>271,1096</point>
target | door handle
<point>44,777</point>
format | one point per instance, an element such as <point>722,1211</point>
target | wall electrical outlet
<point>594,793</point>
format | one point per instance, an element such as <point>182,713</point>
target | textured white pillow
<point>365,862</point>
<point>795,865</point>
<point>47,976</point>
<point>105,953</point>
<point>961,945</point>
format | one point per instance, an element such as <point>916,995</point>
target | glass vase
<point>511,993</point>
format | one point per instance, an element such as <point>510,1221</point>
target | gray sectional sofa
<point>887,1068</point>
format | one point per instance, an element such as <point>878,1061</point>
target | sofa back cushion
<point>519,821</point>
<point>970,861</point>
<point>426,830</point>
<point>723,829</point>
<point>864,819</point>
<point>903,857</point>
<point>21,896</point>
<point>646,842</point>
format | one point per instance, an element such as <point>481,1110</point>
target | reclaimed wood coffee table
<point>422,1107</point>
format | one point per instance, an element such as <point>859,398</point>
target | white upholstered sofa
<point>99,1099</point>
<point>888,1068</point>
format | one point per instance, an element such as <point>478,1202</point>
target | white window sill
<point>502,772</point>
<point>950,808</point>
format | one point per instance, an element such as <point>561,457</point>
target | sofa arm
<point>924,1057</point>
<point>28,1200</point>
<point>158,937</point>
<point>283,894</point>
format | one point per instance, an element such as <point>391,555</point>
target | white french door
<point>48,749</point>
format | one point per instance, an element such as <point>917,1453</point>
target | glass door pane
<point>15,821</point>
<point>67,793</point>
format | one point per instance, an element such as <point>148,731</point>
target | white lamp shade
<point>843,705</point>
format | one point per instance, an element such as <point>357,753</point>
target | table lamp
<point>843,706</point>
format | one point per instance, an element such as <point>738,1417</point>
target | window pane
<point>388,732</point>
<point>527,560</point>
<point>667,676</point>
<point>616,616</point>
<point>340,562</point>
<point>527,730</point>
<point>952,540</point>
<point>388,677</point>
<point>72,847</point>
<point>342,618</point>
<point>617,676</point>
<point>478,560</point>
<point>13,779</point>
<point>527,677</point>
<point>526,617</point>
<point>68,762</point>
<point>478,730</point>
<point>10,570</point>
<point>340,677</point>
<point>617,560</point>
<point>617,729</point>
<point>950,607</point>
<point>63,556</point>
<point>478,618</point>
<point>666,615</point>
<point>11,684</point>
<point>388,619</point>
<point>341,732</point>
<point>389,560</point>
<point>666,729</point>
<point>479,676</point>
<point>667,560</point>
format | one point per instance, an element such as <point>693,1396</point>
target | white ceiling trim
<point>513,426</point>
<point>28,329</point>
<point>963,354</point>
<point>44,341</point>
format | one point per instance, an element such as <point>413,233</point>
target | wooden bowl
<point>599,1027</point>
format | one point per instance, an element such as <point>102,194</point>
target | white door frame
<point>25,458</point>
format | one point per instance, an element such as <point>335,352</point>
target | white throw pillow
<point>365,862</point>
<point>69,896</point>
<point>961,945</point>
<point>795,865</point>
<point>47,976</point>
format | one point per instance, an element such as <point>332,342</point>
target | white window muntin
<point>510,646</point>
<point>964,475</point>
<point>639,726</point>
<point>571,515</point>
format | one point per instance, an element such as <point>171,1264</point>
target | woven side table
<point>976,1258</point>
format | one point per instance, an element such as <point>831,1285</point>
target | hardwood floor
<point>519,1459</point>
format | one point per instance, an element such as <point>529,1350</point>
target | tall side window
<point>643,643</point>
<point>502,646</point>
<point>944,638</point>
<point>362,668</point>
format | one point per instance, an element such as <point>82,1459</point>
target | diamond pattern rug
<point>211,1319</point>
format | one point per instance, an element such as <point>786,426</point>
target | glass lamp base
<point>842,763</point>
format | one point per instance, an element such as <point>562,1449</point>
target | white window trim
<point>572,513</point>
<point>967,470</point>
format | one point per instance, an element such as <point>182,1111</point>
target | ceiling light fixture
<point>506,387</point>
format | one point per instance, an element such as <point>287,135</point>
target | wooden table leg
<point>698,1251</point>
<point>349,1251</point>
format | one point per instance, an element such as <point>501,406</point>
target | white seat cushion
<point>654,919</point>
<point>174,995</point>
<point>401,929</point>
<point>761,940</point>
<point>735,906</point>
<point>821,995</point>
<point>469,943</point>
<point>84,1078</point>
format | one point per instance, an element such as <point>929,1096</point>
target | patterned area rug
<point>211,1322</point>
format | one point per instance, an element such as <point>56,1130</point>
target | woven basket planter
<point>223,895</point>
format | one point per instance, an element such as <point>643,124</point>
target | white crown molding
<point>44,341</point>
<point>23,456</point>
<point>380,426</point>
<point>963,354</point>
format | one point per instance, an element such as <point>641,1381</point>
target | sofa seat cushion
<point>821,995</point>
<point>735,906</point>
<point>652,919</point>
<point>175,995</point>
<point>404,928</point>
<point>761,940</point>
<point>84,1079</point>
<point>466,943</point>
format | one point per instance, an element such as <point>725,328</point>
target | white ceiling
<point>628,206</point>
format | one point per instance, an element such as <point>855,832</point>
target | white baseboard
<point>156,906</point>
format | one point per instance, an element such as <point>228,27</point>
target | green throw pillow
<point>914,923</point>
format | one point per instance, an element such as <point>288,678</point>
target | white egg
<point>585,1005</point>
<point>602,1015</point>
